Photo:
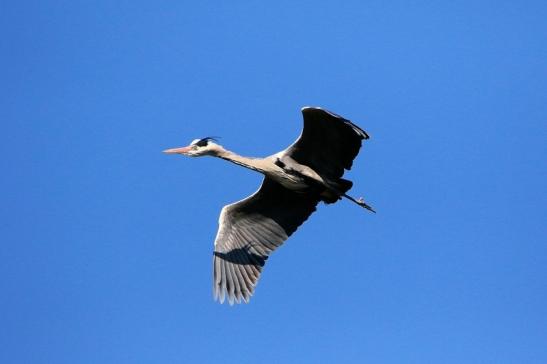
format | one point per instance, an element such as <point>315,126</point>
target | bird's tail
<point>336,190</point>
<point>344,185</point>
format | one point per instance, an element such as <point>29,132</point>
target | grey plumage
<point>295,180</point>
<point>249,230</point>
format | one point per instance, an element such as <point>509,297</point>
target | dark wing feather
<point>249,230</point>
<point>328,143</point>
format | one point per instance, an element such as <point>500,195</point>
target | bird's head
<point>198,148</point>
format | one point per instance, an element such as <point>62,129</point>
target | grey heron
<point>295,181</point>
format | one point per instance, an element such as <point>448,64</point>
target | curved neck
<point>252,163</point>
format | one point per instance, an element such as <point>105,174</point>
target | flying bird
<point>295,181</point>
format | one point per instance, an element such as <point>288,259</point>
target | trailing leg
<point>359,202</point>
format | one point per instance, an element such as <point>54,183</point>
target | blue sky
<point>107,243</point>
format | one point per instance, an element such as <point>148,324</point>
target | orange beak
<point>181,150</point>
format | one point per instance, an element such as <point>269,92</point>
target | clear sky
<point>106,243</point>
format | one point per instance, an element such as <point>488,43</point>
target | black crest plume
<point>204,141</point>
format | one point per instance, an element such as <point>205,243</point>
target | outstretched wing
<point>328,143</point>
<point>249,230</point>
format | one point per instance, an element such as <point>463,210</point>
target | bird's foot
<point>361,202</point>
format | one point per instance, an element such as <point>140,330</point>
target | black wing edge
<point>313,111</point>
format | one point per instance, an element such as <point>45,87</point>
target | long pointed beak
<point>181,150</point>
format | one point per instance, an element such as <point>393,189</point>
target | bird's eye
<point>194,147</point>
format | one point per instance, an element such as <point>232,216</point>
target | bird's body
<point>279,168</point>
<point>295,180</point>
